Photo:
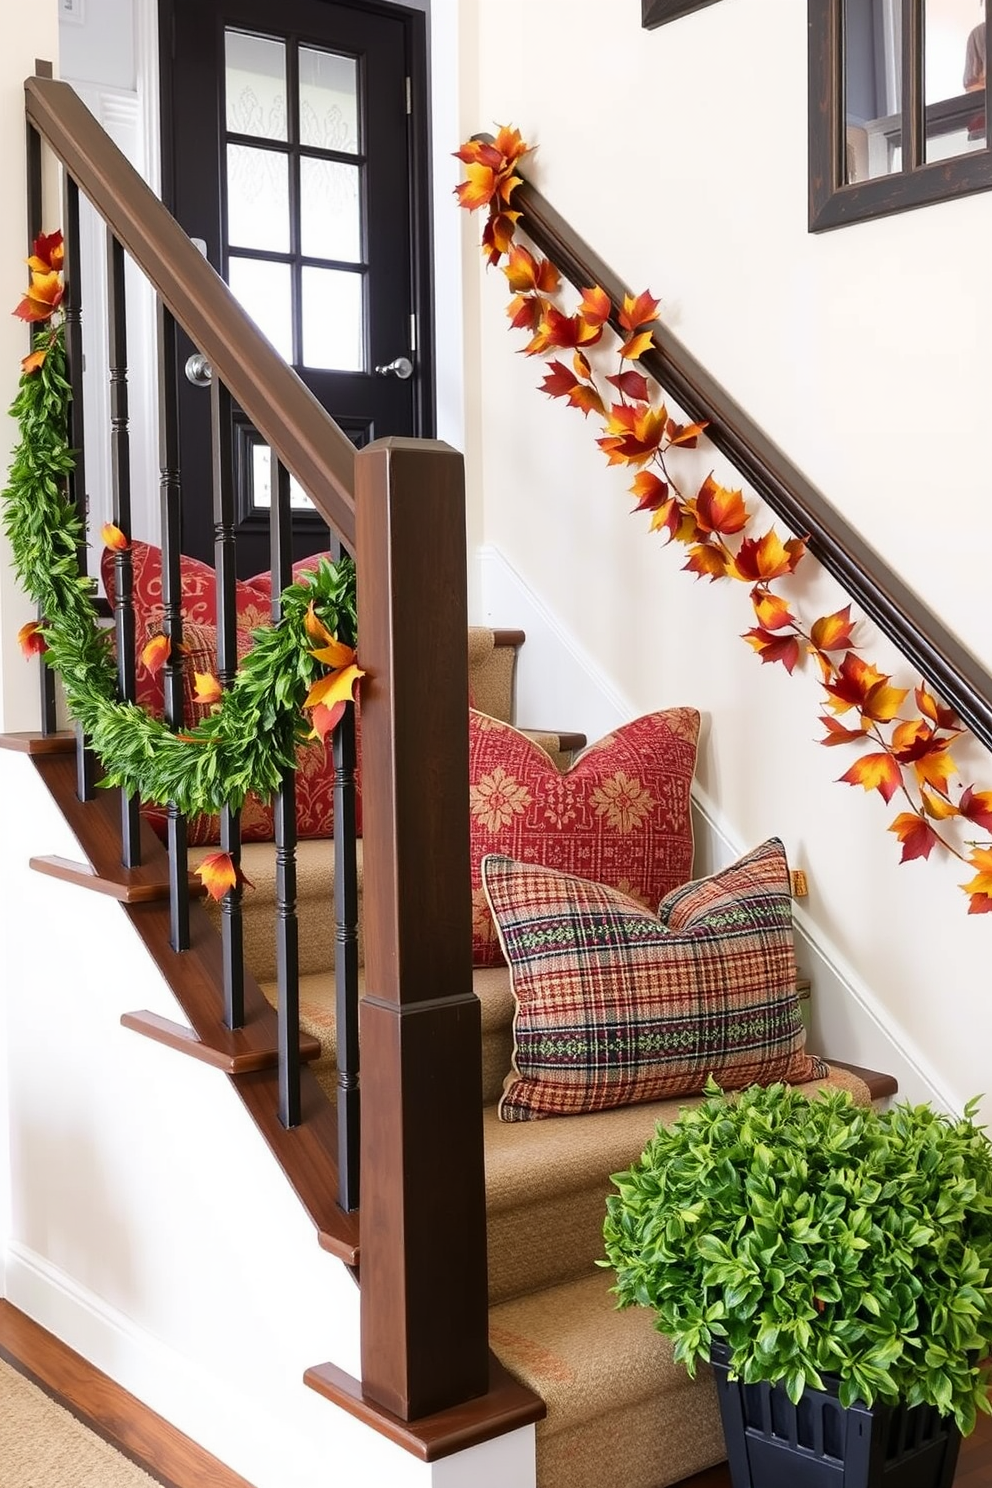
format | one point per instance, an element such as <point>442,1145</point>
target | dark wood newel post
<point>424,1285</point>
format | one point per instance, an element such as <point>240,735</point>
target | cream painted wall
<point>850,348</point>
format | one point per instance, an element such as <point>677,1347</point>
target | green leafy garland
<point>249,739</point>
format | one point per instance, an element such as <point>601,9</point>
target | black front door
<point>290,132</point>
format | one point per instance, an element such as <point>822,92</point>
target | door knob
<point>198,370</point>
<point>400,367</point>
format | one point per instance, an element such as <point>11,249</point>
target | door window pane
<point>333,320</point>
<point>257,199</point>
<point>873,88</point>
<point>261,482</point>
<point>955,78</point>
<point>328,101</point>
<point>255,85</point>
<point>330,210</point>
<point>264,290</point>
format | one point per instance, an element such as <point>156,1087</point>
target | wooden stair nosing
<point>879,1085</point>
<point>185,1041</point>
<point>128,886</point>
<point>506,1406</point>
<point>308,1154</point>
<point>508,637</point>
<point>34,743</point>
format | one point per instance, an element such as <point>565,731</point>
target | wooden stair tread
<point>34,743</point>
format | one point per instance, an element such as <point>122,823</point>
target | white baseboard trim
<point>240,1433</point>
<point>559,685</point>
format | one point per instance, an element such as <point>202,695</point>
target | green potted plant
<point>835,1265</point>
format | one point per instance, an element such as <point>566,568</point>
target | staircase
<point>619,1409</point>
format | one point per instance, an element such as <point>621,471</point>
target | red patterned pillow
<point>615,1004</point>
<point>199,602</point>
<point>314,763</point>
<point>619,816</point>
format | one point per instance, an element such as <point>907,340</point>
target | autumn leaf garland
<point>295,678</point>
<point>904,752</point>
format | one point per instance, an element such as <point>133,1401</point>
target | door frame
<point>420,172</point>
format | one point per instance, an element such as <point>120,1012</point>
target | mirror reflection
<point>954,60</point>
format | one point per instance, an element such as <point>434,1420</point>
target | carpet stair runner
<point>620,1412</point>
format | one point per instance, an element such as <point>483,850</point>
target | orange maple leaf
<point>156,653</point>
<point>206,688</point>
<point>525,312</point>
<point>717,509</point>
<point>113,538</point>
<point>564,331</point>
<point>43,298</point>
<point>764,558</point>
<point>595,307</point>
<point>857,684</point>
<point>772,647</point>
<point>217,873</point>
<point>631,384</point>
<point>838,734</point>
<point>635,346</point>
<point>638,310</point>
<point>34,360</point>
<point>875,772</point>
<point>937,806</point>
<point>336,687</point>
<point>771,609</point>
<point>586,398</point>
<point>497,235</point>
<point>943,717</point>
<point>980,887</point>
<point>634,432</point>
<point>918,838</point>
<point>833,632</point>
<point>325,720</point>
<point>650,490</point>
<point>686,435</point>
<point>31,640</point>
<point>976,806</point>
<point>48,253</point>
<point>526,274</point>
<point>706,560</point>
<point>915,743</point>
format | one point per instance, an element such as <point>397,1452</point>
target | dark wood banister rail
<point>953,671</point>
<point>304,436</point>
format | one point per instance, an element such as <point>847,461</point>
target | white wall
<point>863,353</point>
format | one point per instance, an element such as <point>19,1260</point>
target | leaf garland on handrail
<point>305,662</point>
<point>900,755</point>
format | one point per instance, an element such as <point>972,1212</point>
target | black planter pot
<point>819,1443</point>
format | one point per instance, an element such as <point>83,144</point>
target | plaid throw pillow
<point>620,815</point>
<point>616,1005</point>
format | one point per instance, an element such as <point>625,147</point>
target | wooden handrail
<point>284,411</point>
<point>949,666</point>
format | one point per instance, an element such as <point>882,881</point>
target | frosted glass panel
<point>261,482</point>
<point>330,210</point>
<point>328,101</point>
<point>332,320</point>
<point>257,199</point>
<point>255,85</point>
<point>264,290</point>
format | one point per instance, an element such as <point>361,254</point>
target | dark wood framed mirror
<point>657,12</point>
<point>898,106</point>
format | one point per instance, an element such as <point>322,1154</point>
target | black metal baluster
<point>172,615</point>
<point>120,462</point>
<point>287,927</point>
<point>221,439</point>
<point>346,960</point>
<point>72,306</point>
<point>35,185</point>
